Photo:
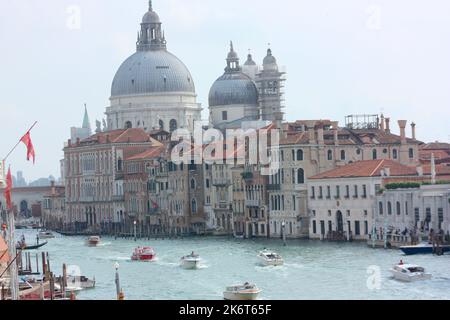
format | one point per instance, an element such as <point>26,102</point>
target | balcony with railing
<point>273,187</point>
<point>221,182</point>
<point>253,203</point>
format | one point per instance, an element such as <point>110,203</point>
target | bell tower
<point>270,83</point>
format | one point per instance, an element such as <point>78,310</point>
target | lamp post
<point>134,223</point>
<point>118,290</point>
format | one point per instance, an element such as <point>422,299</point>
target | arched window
<point>119,164</point>
<point>411,153</point>
<point>300,176</point>
<point>194,206</point>
<point>330,155</point>
<point>161,124</point>
<point>389,207</point>
<point>300,155</point>
<point>380,208</point>
<point>398,208</point>
<point>128,125</point>
<point>374,154</point>
<point>192,183</point>
<point>342,154</point>
<point>173,125</point>
<point>394,154</point>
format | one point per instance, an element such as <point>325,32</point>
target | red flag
<point>7,191</point>
<point>26,139</point>
<point>155,205</point>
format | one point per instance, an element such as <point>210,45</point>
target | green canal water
<point>312,270</point>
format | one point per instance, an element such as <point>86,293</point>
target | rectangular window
<point>330,226</point>
<point>347,192</point>
<point>313,192</point>
<point>320,193</point>
<point>416,215</point>
<point>328,192</point>
<point>355,191</point>
<point>366,227</point>
<point>314,227</point>
<point>322,227</point>
<point>224,115</point>
<point>364,195</point>
<point>440,217</point>
<point>338,192</point>
<point>263,230</point>
<point>357,231</point>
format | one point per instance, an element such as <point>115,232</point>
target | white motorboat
<point>93,241</point>
<point>409,272</point>
<point>270,258</point>
<point>246,291</point>
<point>45,235</point>
<point>191,261</point>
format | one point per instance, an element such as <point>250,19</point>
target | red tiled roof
<point>132,135</point>
<point>150,153</point>
<point>369,168</point>
<point>436,146</point>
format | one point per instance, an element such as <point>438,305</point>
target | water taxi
<point>93,241</point>
<point>270,258</point>
<point>45,235</point>
<point>191,261</point>
<point>143,254</point>
<point>246,291</point>
<point>409,272</point>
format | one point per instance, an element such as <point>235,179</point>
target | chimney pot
<point>387,123</point>
<point>413,130</point>
<point>402,125</point>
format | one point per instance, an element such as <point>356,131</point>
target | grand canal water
<point>312,270</point>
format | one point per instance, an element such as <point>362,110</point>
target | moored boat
<point>93,241</point>
<point>246,291</point>
<point>409,272</point>
<point>143,254</point>
<point>45,235</point>
<point>423,248</point>
<point>191,261</point>
<point>270,258</point>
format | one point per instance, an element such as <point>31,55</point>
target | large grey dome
<point>152,71</point>
<point>233,88</point>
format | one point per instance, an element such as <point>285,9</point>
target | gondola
<point>37,246</point>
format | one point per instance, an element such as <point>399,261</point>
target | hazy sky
<point>342,57</point>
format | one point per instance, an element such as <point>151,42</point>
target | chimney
<point>387,122</point>
<point>69,143</point>
<point>387,172</point>
<point>402,125</point>
<point>382,122</point>
<point>311,136</point>
<point>320,139</point>
<point>78,141</point>
<point>413,131</point>
<point>52,184</point>
<point>433,170</point>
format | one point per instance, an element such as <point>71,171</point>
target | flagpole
<point>19,142</point>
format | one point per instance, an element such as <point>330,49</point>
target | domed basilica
<point>152,89</point>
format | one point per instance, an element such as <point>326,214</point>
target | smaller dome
<point>249,61</point>
<point>151,17</point>
<point>269,62</point>
<point>233,88</point>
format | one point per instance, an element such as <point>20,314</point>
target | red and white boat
<point>143,254</point>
